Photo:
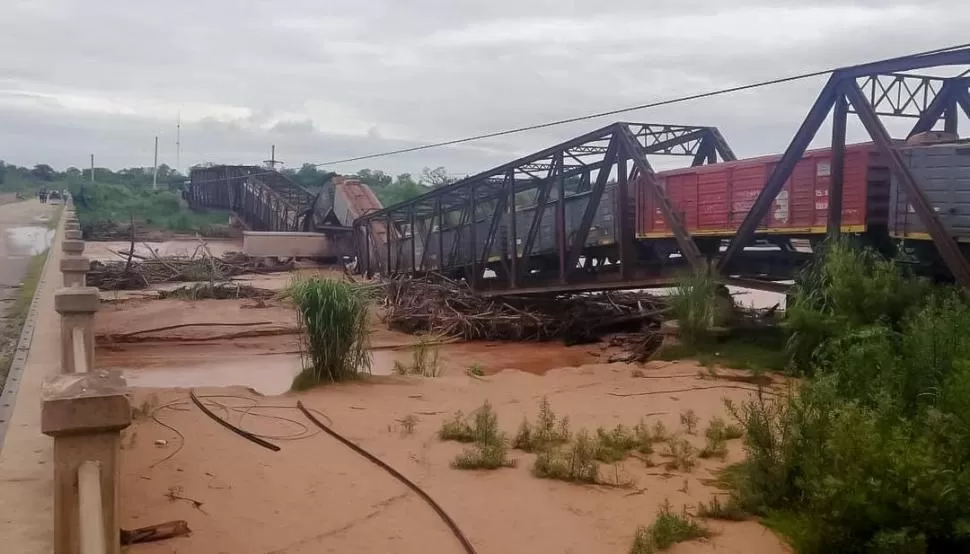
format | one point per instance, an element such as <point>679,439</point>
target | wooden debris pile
<point>135,271</point>
<point>450,308</point>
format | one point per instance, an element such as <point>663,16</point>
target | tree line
<point>390,189</point>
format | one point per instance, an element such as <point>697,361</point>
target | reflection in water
<point>29,241</point>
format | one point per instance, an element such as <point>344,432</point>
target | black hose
<point>241,432</point>
<point>465,543</point>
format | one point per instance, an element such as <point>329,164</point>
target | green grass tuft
<point>334,338</point>
<point>668,529</point>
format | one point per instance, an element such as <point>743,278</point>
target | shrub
<point>689,420</point>
<point>484,456</point>
<point>729,511</point>
<point>842,289</point>
<point>548,432</point>
<point>681,454</point>
<point>577,463</point>
<point>334,333</point>
<point>697,306</point>
<point>716,447</point>
<point>717,429</point>
<point>873,453</point>
<point>424,360</point>
<point>668,529</point>
<point>489,450</point>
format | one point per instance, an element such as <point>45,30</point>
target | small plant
<point>681,454</point>
<point>690,420</point>
<point>457,429</point>
<point>547,433</point>
<point>424,360</point>
<point>408,423</point>
<point>576,464</point>
<point>477,370</point>
<point>667,530</point>
<point>717,429</point>
<point>730,511</point>
<point>484,456</point>
<point>660,432</point>
<point>637,373</point>
<point>489,450</point>
<point>698,306</point>
<point>644,439</point>
<point>716,447</point>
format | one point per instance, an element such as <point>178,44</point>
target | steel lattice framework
<point>494,220</point>
<point>870,91</point>
<point>265,200</point>
<point>468,227</point>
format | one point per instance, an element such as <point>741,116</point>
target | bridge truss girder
<point>463,228</point>
<point>870,91</point>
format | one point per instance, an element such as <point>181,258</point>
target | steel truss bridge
<point>467,230</point>
<point>263,199</point>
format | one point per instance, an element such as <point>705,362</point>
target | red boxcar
<point>714,199</point>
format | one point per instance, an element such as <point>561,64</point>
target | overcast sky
<point>329,79</point>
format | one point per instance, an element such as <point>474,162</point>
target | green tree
<point>437,177</point>
<point>43,172</point>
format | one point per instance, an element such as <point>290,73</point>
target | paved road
<point>23,233</point>
<point>26,455</point>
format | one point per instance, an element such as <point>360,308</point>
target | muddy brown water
<point>271,373</point>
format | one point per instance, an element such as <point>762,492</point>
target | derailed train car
<point>714,199</point>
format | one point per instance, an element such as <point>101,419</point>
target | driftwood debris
<point>444,307</point>
<point>135,272</point>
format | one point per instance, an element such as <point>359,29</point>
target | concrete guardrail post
<point>72,235</point>
<point>77,306</point>
<point>75,270</point>
<point>72,225</point>
<point>85,414</point>
<point>72,247</point>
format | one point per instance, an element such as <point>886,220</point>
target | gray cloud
<point>335,79</point>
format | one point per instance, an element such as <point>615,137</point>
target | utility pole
<point>178,143</point>
<point>92,168</point>
<point>271,162</point>
<point>155,167</point>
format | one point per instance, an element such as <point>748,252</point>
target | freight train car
<point>943,170</point>
<point>714,199</point>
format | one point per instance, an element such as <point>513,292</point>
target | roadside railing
<point>84,410</point>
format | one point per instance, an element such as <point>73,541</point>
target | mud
<point>316,495</point>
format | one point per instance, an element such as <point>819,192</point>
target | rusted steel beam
<point>948,248</point>
<point>837,176</point>
<point>648,180</point>
<point>782,171</point>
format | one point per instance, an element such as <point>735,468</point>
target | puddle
<point>267,375</point>
<point>29,241</point>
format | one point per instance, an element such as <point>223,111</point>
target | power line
<point>655,104</point>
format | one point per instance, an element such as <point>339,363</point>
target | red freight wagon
<point>714,199</point>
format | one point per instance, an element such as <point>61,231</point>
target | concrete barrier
<point>75,270</point>
<point>296,245</point>
<point>85,414</point>
<point>72,247</point>
<point>77,306</point>
<point>85,411</point>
